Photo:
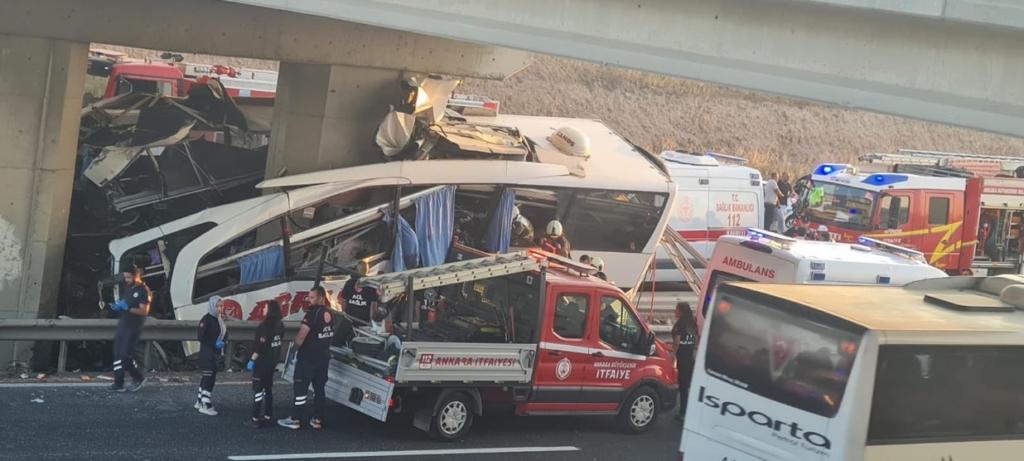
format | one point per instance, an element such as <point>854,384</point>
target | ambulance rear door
<point>690,219</point>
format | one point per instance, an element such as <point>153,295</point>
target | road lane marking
<point>397,453</point>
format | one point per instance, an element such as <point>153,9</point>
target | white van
<point>930,371</point>
<point>762,256</point>
<point>713,198</point>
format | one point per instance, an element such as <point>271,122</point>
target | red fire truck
<point>174,78</point>
<point>962,221</point>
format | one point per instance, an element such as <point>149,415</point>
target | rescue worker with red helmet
<point>554,240</point>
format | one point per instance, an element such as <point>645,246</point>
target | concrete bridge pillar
<point>325,116</point>
<point>41,83</point>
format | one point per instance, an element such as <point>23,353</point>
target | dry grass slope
<point>775,133</point>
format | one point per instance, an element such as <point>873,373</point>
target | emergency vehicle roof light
<point>890,248</point>
<point>885,179</point>
<point>827,169</point>
<point>762,235</point>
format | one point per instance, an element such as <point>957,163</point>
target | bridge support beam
<point>41,84</point>
<point>325,116</point>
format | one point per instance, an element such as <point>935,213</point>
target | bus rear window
<point>781,351</point>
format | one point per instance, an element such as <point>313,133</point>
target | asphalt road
<point>87,422</point>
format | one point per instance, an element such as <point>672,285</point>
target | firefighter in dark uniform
<point>211,335</point>
<point>264,359</point>
<point>314,355</point>
<point>134,307</point>
<point>684,336</point>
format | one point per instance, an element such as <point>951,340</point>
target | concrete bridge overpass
<point>958,62</point>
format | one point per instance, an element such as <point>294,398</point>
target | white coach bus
<point>929,371</point>
<point>613,198</point>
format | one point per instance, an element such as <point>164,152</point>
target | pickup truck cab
<point>528,330</point>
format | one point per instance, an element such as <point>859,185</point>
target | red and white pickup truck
<point>529,330</point>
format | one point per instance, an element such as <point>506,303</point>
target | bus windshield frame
<point>781,350</point>
<point>829,211</point>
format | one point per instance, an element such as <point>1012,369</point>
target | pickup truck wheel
<point>640,411</point>
<point>454,417</point>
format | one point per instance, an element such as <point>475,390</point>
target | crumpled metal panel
<point>115,159</point>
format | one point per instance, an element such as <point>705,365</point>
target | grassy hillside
<point>775,133</point>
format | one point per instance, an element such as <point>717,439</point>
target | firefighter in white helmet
<point>554,240</point>
<point>522,229</point>
<point>598,264</point>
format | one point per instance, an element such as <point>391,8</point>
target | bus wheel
<point>639,411</point>
<point>453,418</point>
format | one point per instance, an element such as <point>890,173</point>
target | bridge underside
<point>957,62</point>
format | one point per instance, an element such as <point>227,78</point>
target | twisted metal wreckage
<point>146,159</point>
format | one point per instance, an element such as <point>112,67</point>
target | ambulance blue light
<point>828,169</point>
<point>885,179</point>
<point>818,276</point>
<point>883,279</point>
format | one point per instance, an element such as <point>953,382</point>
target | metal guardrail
<point>661,305</point>
<point>64,330</point>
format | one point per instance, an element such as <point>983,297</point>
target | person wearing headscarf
<point>212,333</point>
<point>263,361</point>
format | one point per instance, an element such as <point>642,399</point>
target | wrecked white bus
<point>613,199</point>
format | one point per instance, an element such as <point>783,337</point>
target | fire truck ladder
<point>391,285</point>
<point>680,252</point>
<point>918,161</point>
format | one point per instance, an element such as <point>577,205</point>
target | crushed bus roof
<point>614,162</point>
<point>903,315</point>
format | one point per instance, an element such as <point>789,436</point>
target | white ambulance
<point>929,371</point>
<point>716,195</point>
<point>762,256</point>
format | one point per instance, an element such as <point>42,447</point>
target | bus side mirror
<point>893,218</point>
